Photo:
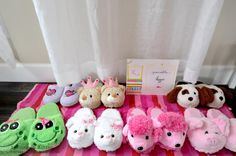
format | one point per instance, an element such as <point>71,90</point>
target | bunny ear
<point>154,113</point>
<point>213,113</point>
<point>221,120</point>
<point>192,113</point>
<point>125,130</point>
<point>134,112</point>
<point>194,123</point>
<point>70,122</point>
<point>194,118</point>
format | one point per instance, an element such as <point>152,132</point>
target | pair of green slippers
<point>25,129</point>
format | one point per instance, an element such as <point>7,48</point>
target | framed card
<point>151,76</point>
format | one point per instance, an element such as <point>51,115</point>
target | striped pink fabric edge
<point>144,101</point>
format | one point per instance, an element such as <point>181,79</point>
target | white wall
<point>23,27</point>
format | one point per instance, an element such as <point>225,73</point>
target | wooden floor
<point>10,94</point>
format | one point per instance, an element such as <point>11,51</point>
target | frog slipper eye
<point>39,126</point>
<point>14,125</point>
<point>49,124</point>
<point>4,127</point>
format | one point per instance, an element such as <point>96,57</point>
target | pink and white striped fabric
<point>34,100</point>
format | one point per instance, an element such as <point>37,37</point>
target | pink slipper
<point>53,94</point>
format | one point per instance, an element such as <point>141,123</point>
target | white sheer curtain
<point>6,53</point>
<point>97,36</point>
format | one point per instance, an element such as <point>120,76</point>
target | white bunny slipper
<point>81,128</point>
<point>108,131</point>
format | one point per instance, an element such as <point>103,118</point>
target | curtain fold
<point>6,52</point>
<point>97,36</point>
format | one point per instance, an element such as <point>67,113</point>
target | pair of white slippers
<point>105,132</point>
<point>67,95</point>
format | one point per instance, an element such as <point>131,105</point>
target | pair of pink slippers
<point>67,95</point>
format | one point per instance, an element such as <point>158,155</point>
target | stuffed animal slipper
<point>204,134</point>
<point>90,93</point>
<point>227,126</point>
<point>113,94</point>
<point>140,131</point>
<point>70,95</point>
<point>53,94</point>
<point>14,133</point>
<point>48,130</point>
<point>173,126</point>
<point>186,95</point>
<point>213,96</point>
<point>81,128</point>
<point>108,131</point>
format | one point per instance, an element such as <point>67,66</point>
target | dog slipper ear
<point>17,126</point>
<point>48,130</point>
<point>172,95</point>
<point>206,96</point>
<point>228,94</point>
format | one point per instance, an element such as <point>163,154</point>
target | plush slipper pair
<point>67,96</point>
<point>25,130</point>
<point>105,132</point>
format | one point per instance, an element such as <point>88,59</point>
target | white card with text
<point>151,76</point>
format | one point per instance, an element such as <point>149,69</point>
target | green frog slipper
<point>48,130</point>
<point>14,132</point>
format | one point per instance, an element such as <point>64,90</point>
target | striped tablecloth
<point>34,100</point>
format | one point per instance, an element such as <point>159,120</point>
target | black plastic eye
<point>4,127</point>
<point>102,136</point>
<point>39,126</point>
<point>109,94</point>
<point>70,85</point>
<point>112,135</point>
<point>117,94</point>
<point>90,96</point>
<point>14,125</point>
<point>146,137</point>
<point>183,134</point>
<point>194,93</point>
<point>75,131</point>
<point>169,133</point>
<point>206,132</point>
<point>132,135</point>
<point>49,124</point>
<point>86,130</point>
